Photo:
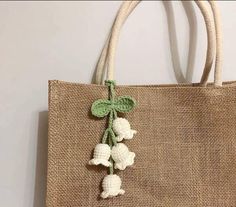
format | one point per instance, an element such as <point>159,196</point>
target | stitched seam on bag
<point>59,138</point>
<point>228,85</point>
<point>49,182</point>
<point>53,135</point>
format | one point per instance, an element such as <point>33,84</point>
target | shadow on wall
<point>192,22</point>
<point>41,161</point>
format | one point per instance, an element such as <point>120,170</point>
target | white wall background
<point>62,40</point>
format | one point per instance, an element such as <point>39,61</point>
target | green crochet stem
<point>111,168</point>
<point>109,133</point>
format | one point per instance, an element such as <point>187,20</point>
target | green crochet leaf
<point>101,107</point>
<point>124,104</point>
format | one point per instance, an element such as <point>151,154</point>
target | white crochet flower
<point>122,156</point>
<point>111,185</point>
<point>101,155</point>
<point>122,129</point>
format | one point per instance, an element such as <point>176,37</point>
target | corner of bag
<point>53,82</point>
<point>52,89</point>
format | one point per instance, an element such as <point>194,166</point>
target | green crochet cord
<point>112,116</point>
<point>104,107</point>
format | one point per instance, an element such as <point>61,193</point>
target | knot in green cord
<point>110,83</point>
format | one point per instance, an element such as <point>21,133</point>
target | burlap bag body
<point>185,146</point>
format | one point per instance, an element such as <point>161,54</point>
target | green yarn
<point>111,169</point>
<point>101,107</point>
<point>104,107</point>
<point>124,104</point>
<point>111,86</point>
<point>105,135</point>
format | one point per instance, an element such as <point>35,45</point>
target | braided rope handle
<point>214,40</point>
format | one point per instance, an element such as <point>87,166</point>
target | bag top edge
<point>176,85</point>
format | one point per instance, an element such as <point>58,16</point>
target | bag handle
<point>128,7</point>
<point>102,62</point>
<point>219,46</point>
<point>101,65</point>
<point>118,25</point>
<point>100,70</point>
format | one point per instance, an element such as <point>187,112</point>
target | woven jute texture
<point>185,146</point>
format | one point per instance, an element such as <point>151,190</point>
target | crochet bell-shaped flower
<point>122,129</point>
<point>122,156</point>
<point>101,155</point>
<point>111,185</point>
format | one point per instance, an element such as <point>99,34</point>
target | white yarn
<point>101,155</point>
<point>122,156</point>
<point>111,185</point>
<point>122,129</point>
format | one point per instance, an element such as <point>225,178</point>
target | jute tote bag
<point>160,146</point>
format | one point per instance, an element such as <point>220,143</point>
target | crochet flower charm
<point>122,156</point>
<point>111,186</point>
<point>110,153</point>
<point>122,128</point>
<point>101,155</point>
